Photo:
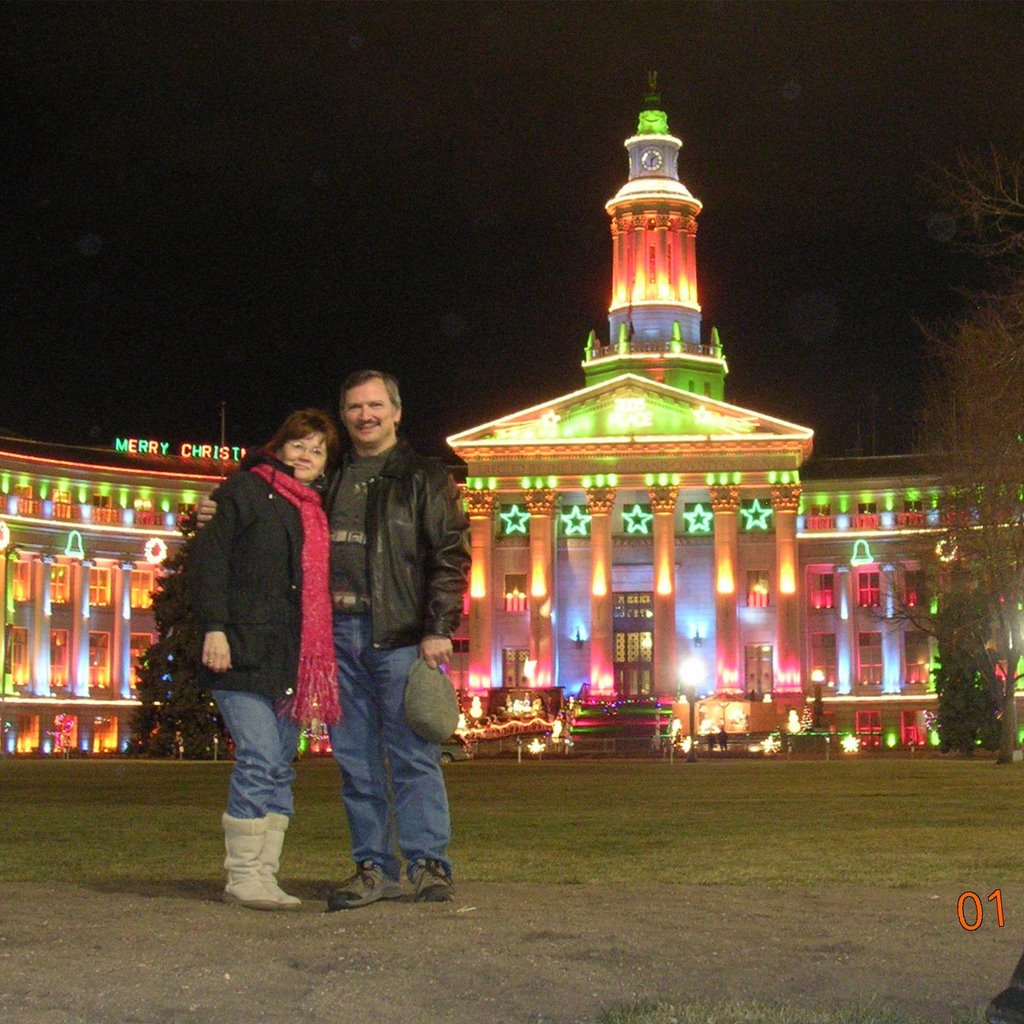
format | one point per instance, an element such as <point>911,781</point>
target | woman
<point>261,595</point>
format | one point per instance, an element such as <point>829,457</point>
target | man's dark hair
<point>353,380</point>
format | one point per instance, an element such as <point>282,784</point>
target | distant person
<point>723,739</point>
<point>260,592</point>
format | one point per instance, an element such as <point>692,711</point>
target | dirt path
<point>498,955</point>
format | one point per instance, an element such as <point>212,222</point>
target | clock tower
<point>654,317</point>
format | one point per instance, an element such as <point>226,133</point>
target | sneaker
<point>367,885</point>
<point>433,883</point>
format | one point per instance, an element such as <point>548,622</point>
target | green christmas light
<point>698,519</point>
<point>638,520</point>
<point>575,521</point>
<point>755,515</point>
<point>514,520</point>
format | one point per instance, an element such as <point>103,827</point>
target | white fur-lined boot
<point>270,862</point>
<point>243,841</point>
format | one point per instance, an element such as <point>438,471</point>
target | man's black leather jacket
<point>417,548</point>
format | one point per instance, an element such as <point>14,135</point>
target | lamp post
<point>691,674</point>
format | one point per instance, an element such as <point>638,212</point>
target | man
<point>399,567</point>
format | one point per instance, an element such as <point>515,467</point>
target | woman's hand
<point>216,651</point>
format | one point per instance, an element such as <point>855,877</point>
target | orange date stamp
<point>970,912</point>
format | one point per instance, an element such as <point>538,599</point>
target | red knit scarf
<point>316,689</point>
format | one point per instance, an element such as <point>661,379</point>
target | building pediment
<point>630,410</point>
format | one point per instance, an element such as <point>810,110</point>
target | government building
<point>638,540</point>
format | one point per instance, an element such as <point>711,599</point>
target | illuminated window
<point>99,587</point>
<point>913,730</point>
<point>62,507</point>
<point>757,588</point>
<point>101,501</point>
<point>142,588</point>
<point>639,605</point>
<point>869,725</point>
<point>819,516</point>
<point>822,590</point>
<point>913,587</point>
<point>515,592</point>
<point>917,655</point>
<point>868,593</point>
<point>21,580</point>
<point>18,638</point>
<point>58,659</point>
<point>140,643</point>
<point>869,658</point>
<point>23,491</point>
<point>60,583</point>
<point>99,660</point>
<point>823,657</point>
<point>867,508</point>
<point>142,505</point>
<point>186,507</point>
<point>513,666</point>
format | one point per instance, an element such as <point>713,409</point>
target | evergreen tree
<point>176,711</point>
<point>966,684</point>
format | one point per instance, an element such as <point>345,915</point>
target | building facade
<point>83,533</point>
<point>641,537</point>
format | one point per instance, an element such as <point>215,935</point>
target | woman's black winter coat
<point>246,569</point>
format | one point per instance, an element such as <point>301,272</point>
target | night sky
<point>245,202</point>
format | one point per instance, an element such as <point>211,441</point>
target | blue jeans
<point>265,746</point>
<point>392,784</point>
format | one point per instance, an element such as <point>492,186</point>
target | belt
<point>349,536</point>
<point>346,601</point>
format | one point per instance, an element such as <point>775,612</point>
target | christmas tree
<point>178,716</point>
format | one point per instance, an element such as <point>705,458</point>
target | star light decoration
<point>698,518</point>
<point>755,515</point>
<point>576,521</point>
<point>638,519</point>
<point>515,520</point>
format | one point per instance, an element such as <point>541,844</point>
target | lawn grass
<point>887,823</point>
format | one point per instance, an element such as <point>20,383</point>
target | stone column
<point>540,504</point>
<point>121,640</point>
<point>785,502</point>
<point>480,509</point>
<point>666,668</point>
<point>40,645</point>
<point>600,502</point>
<point>725,502</point>
<point>892,655</point>
<point>78,658</point>
<point>845,640</point>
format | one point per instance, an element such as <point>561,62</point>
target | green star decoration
<point>755,515</point>
<point>576,521</point>
<point>515,520</point>
<point>698,518</point>
<point>637,519</point>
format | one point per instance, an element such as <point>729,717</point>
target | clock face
<point>651,159</point>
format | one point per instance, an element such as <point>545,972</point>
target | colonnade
<point>542,505</point>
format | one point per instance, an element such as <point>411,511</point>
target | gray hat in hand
<point>431,707</point>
